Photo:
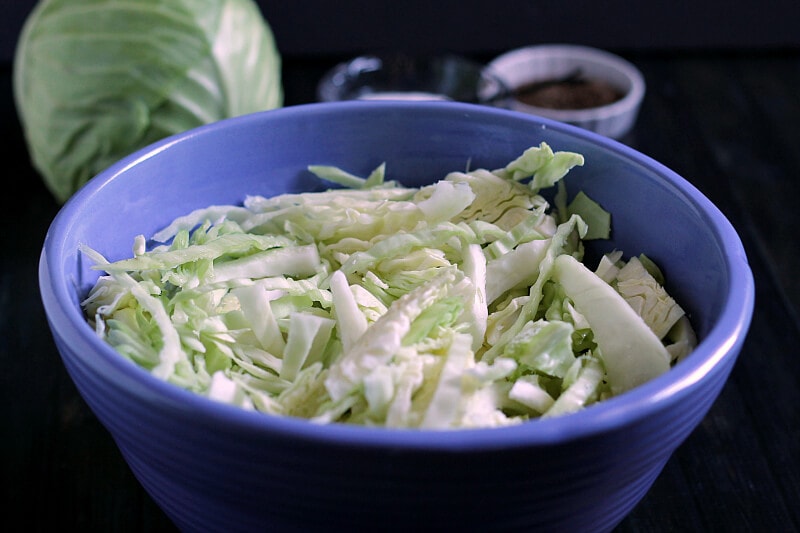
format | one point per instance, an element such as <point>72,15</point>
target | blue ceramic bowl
<point>213,467</point>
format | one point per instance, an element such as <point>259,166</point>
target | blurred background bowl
<point>214,467</point>
<point>401,76</point>
<point>579,84</point>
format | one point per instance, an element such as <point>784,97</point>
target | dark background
<point>722,109</point>
<point>312,28</point>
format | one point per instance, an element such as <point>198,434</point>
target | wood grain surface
<point>727,122</point>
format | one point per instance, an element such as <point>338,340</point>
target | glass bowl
<point>401,76</point>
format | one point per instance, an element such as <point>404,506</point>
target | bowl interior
<point>654,211</point>
<point>539,63</point>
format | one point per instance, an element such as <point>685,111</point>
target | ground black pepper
<point>573,92</point>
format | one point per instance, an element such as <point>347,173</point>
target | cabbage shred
<point>460,304</point>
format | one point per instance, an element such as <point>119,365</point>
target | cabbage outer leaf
<point>95,80</point>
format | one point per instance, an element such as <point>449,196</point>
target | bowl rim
<point>579,53</point>
<point>722,341</point>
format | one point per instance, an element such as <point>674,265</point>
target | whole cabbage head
<point>95,80</point>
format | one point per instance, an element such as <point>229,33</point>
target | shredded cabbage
<point>460,304</point>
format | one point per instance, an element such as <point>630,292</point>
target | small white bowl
<point>523,66</point>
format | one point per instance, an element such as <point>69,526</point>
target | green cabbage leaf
<point>95,80</point>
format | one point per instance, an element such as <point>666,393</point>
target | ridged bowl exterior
<point>212,467</point>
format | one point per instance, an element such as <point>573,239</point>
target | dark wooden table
<point>728,122</point>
